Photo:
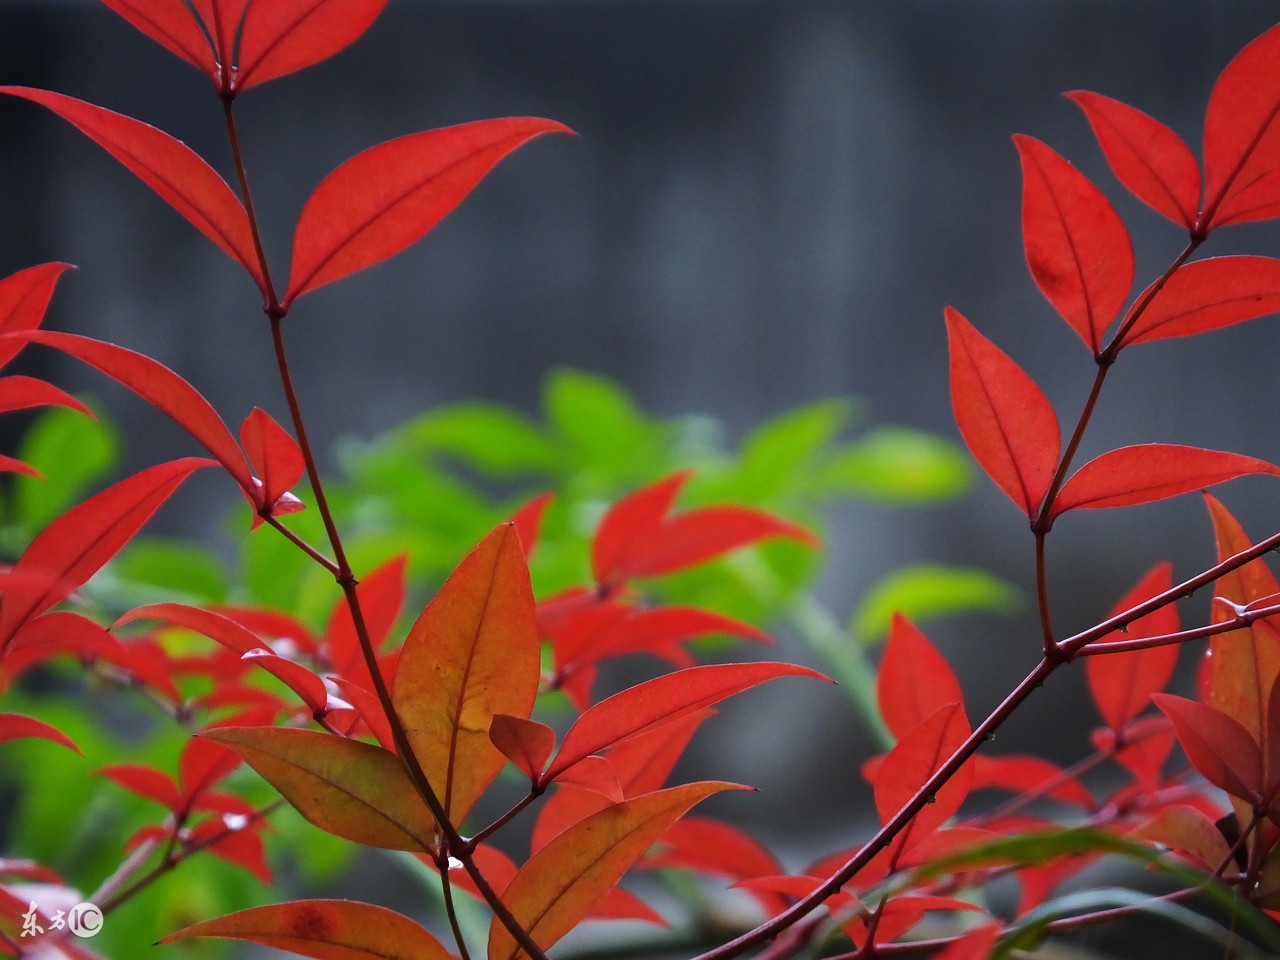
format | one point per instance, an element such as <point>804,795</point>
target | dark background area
<point>768,203</point>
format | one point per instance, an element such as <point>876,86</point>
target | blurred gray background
<point>768,203</point>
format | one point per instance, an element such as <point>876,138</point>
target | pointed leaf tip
<point>388,197</point>
<point>1077,246</point>
<point>1005,419</point>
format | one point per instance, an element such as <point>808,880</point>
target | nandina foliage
<point>391,741</point>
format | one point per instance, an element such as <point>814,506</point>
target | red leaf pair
<point>638,536</point>
<point>253,41</point>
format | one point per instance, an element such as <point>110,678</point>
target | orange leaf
<point>386,198</point>
<point>1149,472</point>
<point>1243,664</point>
<point>1005,419</point>
<point>1190,833</point>
<point>349,788</point>
<point>325,930</point>
<point>168,166</point>
<point>471,655</point>
<point>526,743</point>
<point>560,884</point>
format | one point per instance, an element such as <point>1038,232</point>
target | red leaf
<point>169,167</point>
<point>326,930</point>
<point>72,548</point>
<point>1145,155</point>
<point>24,298</point>
<point>381,595</point>
<point>274,455</point>
<point>371,711</point>
<point>649,705</point>
<point>1020,774</point>
<point>1122,683</point>
<point>242,847</point>
<point>526,743</point>
<point>528,519</point>
<point>386,198</point>
<point>10,465</point>
<point>977,944</point>
<point>619,904</point>
<point>16,726</point>
<point>642,765</point>
<point>710,846</point>
<point>203,764</point>
<point>1189,832</point>
<point>498,870</point>
<point>1219,747</point>
<point>914,760</point>
<point>1208,295</point>
<point>164,390</point>
<point>284,36</point>
<point>1005,420</point>
<point>637,537</point>
<point>914,679</point>
<point>171,25</point>
<point>215,626</point>
<point>595,774</point>
<point>1149,472</point>
<point>145,782</point>
<point>1077,247</point>
<point>296,677</point>
<point>1242,138</point>
<point>22,393</point>
<point>221,19</point>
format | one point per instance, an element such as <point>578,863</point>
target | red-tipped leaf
<point>324,930</point>
<point>168,166</point>
<point>386,198</point>
<point>1242,138</point>
<point>284,36</point>
<point>1005,419</point>
<point>1077,246</point>
<point>1146,156</point>
<point>72,548</point>
<point>649,705</point>
<point>1149,472</point>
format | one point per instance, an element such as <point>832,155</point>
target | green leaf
<point>774,454</point>
<point>606,436</point>
<point>184,571</point>
<point>929,590</point>
<point>488,436</point>
<point>72,452</point>
<point>896,465</point>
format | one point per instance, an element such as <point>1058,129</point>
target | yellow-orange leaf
<point>326,930</point>
<point>472,654</point>
<point>348,788</point>
<point>562,882</point>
